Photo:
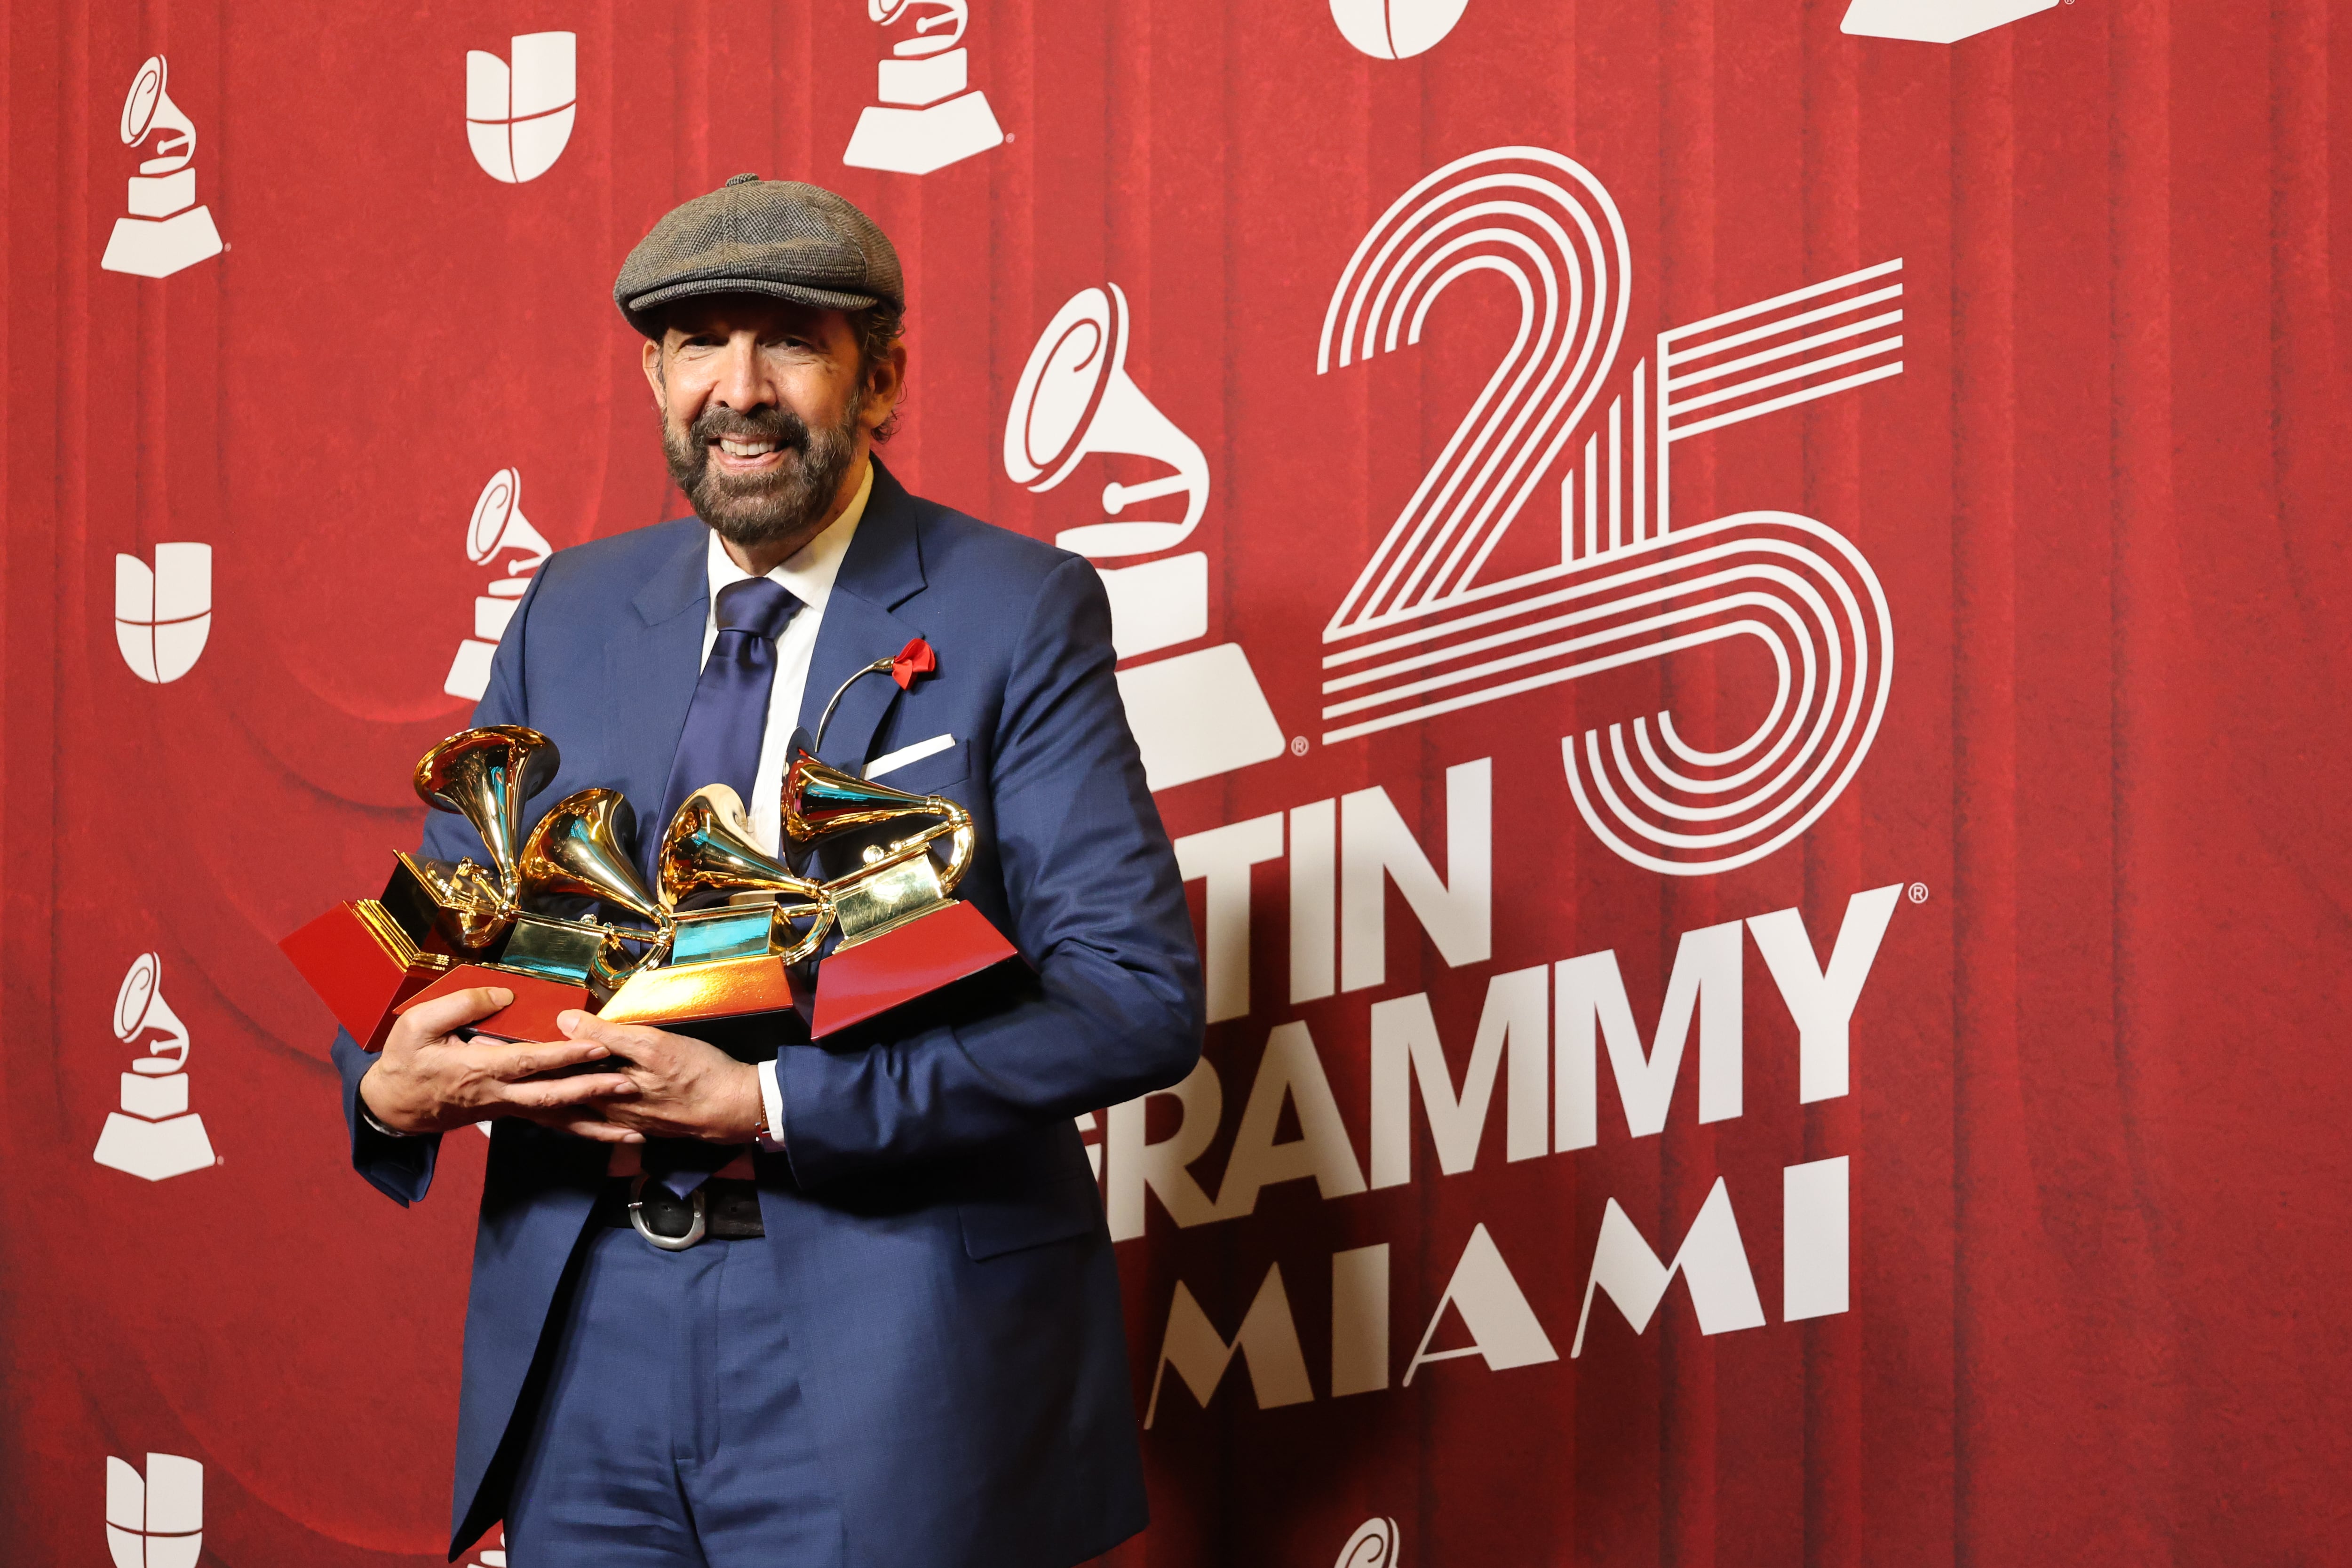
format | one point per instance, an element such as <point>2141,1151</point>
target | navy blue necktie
<point>729,716</point>
<point>724,726</point>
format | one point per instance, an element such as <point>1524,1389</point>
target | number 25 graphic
<point>1419,633</point>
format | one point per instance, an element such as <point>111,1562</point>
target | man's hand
<point>684,1088</point>
<point>426,1081</point>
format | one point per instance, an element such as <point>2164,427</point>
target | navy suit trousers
<point>671,1431</point>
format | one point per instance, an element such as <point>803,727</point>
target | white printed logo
<point>519,118</point>
<point>1396,29</point>
<point>1374,1545</point>
<point>1421,633</point>
<point>154,1135</point>
<point>498,529</point>
<point>1935,21</point>
<point>1196,714</point>
<point>166,230</point>
<point>926,120</point>
<point>156,1521</point>
<point>163,614</point>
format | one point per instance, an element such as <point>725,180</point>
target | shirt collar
<point>808,574</point>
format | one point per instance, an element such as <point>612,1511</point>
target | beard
<point>753,509</point>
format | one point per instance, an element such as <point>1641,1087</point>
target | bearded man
<point>749,1298</point>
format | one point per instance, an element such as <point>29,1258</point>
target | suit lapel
<point>882,567</point>
<point>651,665</point>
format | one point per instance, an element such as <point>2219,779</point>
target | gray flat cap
<point>753,235</point>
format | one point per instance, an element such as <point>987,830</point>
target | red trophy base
<point>529,1016</point>
<point>921,956</point>
<point>362,981</point>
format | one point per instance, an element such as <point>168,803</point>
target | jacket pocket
<point>1066,1206</point>
<point>934,773</point>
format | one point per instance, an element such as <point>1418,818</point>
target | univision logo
<point>1396,29</point>
<point>157,1519</point>
<point>518,117</point>
<point>163,613</point>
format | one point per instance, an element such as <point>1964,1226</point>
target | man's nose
<point>740,386</point>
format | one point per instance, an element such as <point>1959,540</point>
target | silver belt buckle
<point>699,1201</point>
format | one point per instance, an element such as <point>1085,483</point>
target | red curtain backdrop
<point>2092,1128</point>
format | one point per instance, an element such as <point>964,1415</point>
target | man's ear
<point>886,383</point>
<point>653,375</point>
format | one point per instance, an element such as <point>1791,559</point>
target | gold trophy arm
<point>956,824</point>
<point>821,908</point>
<point>612,965</point>
<point>966,841</point>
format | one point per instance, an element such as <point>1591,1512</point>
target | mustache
<point>781,425</point>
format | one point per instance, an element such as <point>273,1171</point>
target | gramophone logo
<point>1935,21</point>
<point>154,1135</point>
<point>166,229</point>
<point>1396,29</point>
<point>518,117</point>
<point>927,119</point>
<point>163,614</point>
<point>1197,713</point>
<point>1374,1545</point>
<point>157,1519</point>
<point>498,529</point>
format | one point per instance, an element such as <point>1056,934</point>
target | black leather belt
<point>722,1209</point>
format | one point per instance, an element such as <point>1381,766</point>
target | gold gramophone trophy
<point>901,934</point>
<point>440,928</point>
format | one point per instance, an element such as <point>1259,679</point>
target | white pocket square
<point>891,762</point>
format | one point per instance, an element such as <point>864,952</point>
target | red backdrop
<point>2094,1122</point>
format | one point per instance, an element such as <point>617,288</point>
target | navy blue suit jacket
<point>933,1229</point>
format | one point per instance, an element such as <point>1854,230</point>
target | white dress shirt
<point>808,576</point>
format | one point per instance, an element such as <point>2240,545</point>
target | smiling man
<point>746,1299</point>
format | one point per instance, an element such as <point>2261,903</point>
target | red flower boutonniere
<point>916,658</point>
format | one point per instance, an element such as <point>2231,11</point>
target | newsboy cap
<point>753,235</point>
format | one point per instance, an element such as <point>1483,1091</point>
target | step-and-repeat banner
<point>1737,611</point>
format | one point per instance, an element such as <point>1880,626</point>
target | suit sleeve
<point>1099,909</point>
<point>401,1168</point>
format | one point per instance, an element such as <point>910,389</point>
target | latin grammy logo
<point>518,117</point>
<point>154,1135</point>
<point>926,120</point>
<point>1935,21</point>
<point>1374,1545</point>
<point>166,230</point>
<point>1396,29</point>
<point>498,528</point>
<point>157,1519</point>
<point>1198,713</point>
<point>163,614</point>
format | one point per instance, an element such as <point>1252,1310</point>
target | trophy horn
<point>485,775</point>
<point>710,848</point>
<point>821,800</point>
<point>580,849</point>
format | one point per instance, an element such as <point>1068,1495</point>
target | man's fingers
<point>595,1129</point>
<point>547,1094</point>
<point>511,1062</point>
<point>444,1014</point>
<point>622,1039</point>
